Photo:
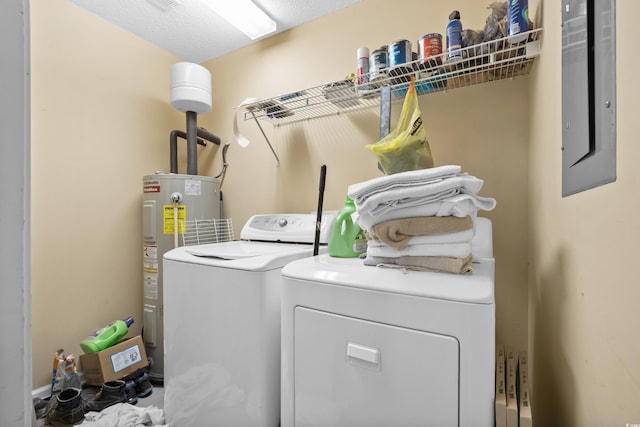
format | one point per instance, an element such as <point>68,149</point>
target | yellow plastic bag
<point>406,147</point>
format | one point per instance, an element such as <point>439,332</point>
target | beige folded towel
<point>396,233</point>
<point>424,263</point>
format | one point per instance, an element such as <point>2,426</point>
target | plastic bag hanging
<point>406,148</point>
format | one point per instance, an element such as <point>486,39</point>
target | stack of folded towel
<point>420,220</point>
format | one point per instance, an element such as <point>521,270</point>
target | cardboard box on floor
<point>115,362</point>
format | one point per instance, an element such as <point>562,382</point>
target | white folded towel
<point>396,196</point>
<point>362,190</point>
<point>459,205</point>
<point>485,203</point>
<point>423,263</point>
<point>433,239</point>
<point>455,250</point>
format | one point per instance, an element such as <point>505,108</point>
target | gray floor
<point>155,399</point>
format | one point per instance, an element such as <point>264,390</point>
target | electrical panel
<point>588,94</point>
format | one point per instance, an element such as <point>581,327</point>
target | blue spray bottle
<point>454,36</point>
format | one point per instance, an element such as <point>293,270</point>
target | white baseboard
<point>44,392</point>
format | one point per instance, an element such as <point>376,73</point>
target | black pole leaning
<point>316,242</point>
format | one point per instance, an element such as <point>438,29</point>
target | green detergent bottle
<point>347,239</point>
<point>106,337</point>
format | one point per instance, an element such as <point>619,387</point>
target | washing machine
<point>379,347</point>
<point>222,322</point>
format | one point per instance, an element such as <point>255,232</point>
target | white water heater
<point>167,197</point>
<point>171,201</point>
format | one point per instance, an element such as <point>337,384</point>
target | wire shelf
<point>477,64</point>
<point>201,231</point>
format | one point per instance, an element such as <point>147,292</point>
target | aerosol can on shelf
<point>454,36</point>
<point>347,239</point>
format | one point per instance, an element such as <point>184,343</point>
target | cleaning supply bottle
<point>454,36</point>
<point>106,337</point>
<point>347,240</point>
<point>362,70</point>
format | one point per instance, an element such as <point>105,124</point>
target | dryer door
<point>353,372</point>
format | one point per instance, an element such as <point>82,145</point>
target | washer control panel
<point>293,228</point>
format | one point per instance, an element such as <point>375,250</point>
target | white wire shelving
<point>477,64</point>
<point>201,231</point>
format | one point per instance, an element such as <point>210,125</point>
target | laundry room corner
<point>484,128</point>
<point>100,121</point>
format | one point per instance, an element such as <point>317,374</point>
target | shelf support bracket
<point>385,114</point>
<point>265,138</point>
<point>385,111</point>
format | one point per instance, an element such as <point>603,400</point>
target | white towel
<point>125,415</point>
<point>455,250</point>
<point>368,188</point>
<point>409,195</point>
<point>434,239</point>
<point>460,205</point>
<point>428,263</point>
<point>481,202</point>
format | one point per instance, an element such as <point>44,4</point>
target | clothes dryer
<point>378,347</point>
<point>222,322</point>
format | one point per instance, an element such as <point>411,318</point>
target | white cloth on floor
<point>125,415</point>
<point>362,190</point>
<point>454,250</point>
<point>456,237</point>
<point>406,196</point>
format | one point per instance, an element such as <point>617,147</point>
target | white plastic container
<point>190,87</point>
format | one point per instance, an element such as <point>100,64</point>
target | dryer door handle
<point>358,352</point>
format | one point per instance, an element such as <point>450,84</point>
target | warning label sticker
<point>168,222</point>
<point>193,187</point>
<point>150,253</point>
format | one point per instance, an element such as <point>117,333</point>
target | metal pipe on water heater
<point>203,135</point>
<point>192,146</point>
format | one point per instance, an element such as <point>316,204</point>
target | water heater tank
<point>190,87</point>
<point>200,200</point>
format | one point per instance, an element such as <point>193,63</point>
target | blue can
<point>378,65</point>
<point>400,61</point>
<point>399,53</point>
<point>518,20</point>
<point>454,36</point>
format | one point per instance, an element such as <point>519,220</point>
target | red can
<point>429,50</point>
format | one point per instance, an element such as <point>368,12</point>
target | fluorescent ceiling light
<point>245,16</point>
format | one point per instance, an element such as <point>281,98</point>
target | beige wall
<point>100,121</point>
<point>584,330</point>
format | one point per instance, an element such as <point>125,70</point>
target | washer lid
<point>233,250</point>
<point>474,288</point>
<point>241,255</point>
